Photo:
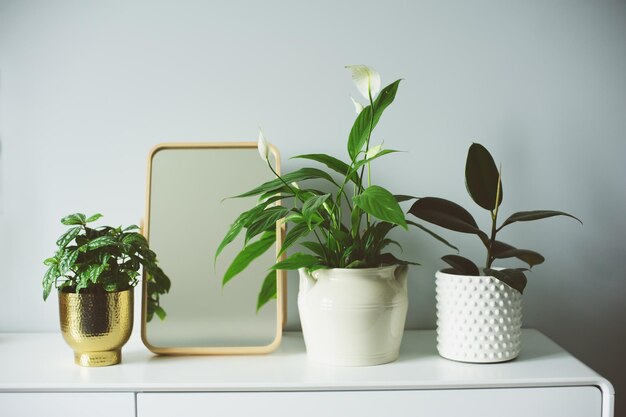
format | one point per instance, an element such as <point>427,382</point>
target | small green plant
<point>104,259</point>
<point>483,181</point>
<point>347,227</point>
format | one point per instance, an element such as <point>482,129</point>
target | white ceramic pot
<point>353,317</point>
<point>479,318</point>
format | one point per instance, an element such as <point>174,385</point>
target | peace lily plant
<point>347,227</point>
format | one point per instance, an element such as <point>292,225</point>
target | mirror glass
<point>187,217</point>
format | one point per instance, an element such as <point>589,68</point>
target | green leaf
<point>111,287</point>
<point>297,232</point>
<point>81,284</point>
<point>514,278</point>
<point>377,232</point>
<point>360,128</point>
<point>316,248</point>
<point>231,234</point>
<point>381,204</point>
<point>158,282</point>
<point>94,218</point>
<point>332,163</point>
<point>275,194</point>
<point>311,206</point>
<point>237,226</point>
<point>526,216</point>
<point>359,263</point>
<point>296,261</point>
<point>264,221</point>
<point>359,132</point>
<point>461,265</point>
<point>385,98</point>
<point>131,228</point>
<point>355,221</point>
<point>72,219</point>
<point>51,261</point>
<point>433,234</point>
<point>270,199</point>
<point>362,162</point>
<point>98,242</point>
<point>92,273</point>
<point>481,177</point>
<point>68,236</point>
<point>268,290</point>
<point>158,310</point>
<point>340,236</point>
<point>135,239</point>
<point>249,253</point>
<point>48,280</point>
<point>299,175</point>
<point>68,259</point>
<point>448,215</point>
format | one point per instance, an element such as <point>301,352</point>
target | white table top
<point>43,362</point>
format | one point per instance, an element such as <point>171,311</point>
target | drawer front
<point>67,404</point>
<point>510,402</point>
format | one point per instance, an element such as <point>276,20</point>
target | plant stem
<point>367,146</point>
<point>321,244</point>
<point>295,192</point>
<point>494,218</point>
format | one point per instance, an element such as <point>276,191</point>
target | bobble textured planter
<point>353,317</point>
<point>479,318</point>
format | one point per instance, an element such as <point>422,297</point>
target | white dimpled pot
<point>353,317</point>
<point>479,318</point>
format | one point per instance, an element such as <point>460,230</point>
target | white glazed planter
<point>353,317</point>
<point>479,318</point>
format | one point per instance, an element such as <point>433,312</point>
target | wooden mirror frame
<point>281,303</point>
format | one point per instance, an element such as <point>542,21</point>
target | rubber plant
<point>483,181</point>
<point>104,259</point>
<point>346,227</point>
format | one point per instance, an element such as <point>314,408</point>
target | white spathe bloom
<point>367,80</point>
<point>358,107</point>
<point>373,151</point>
<point>264,149</point>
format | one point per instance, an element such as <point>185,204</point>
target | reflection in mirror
<point>186,218</point>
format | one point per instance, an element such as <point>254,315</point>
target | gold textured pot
<point>96,325</point>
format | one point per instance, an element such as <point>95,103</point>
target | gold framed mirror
<point>187,215</point>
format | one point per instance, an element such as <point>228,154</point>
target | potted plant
<point>353,290</point>
<point>95,270</point>
<point>479,310</point>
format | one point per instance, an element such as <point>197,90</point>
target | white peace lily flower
<point>366,79</point>
<point>358,107</point>
<point>373,151</point>
<point>264,149</point>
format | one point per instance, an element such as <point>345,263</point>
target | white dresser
<point>38,378</point>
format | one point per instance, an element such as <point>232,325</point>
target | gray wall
<point>87,88</point>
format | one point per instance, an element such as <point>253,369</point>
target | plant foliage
<point>346,227</point>
<point>484,184</point>
<point>104,259</point>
